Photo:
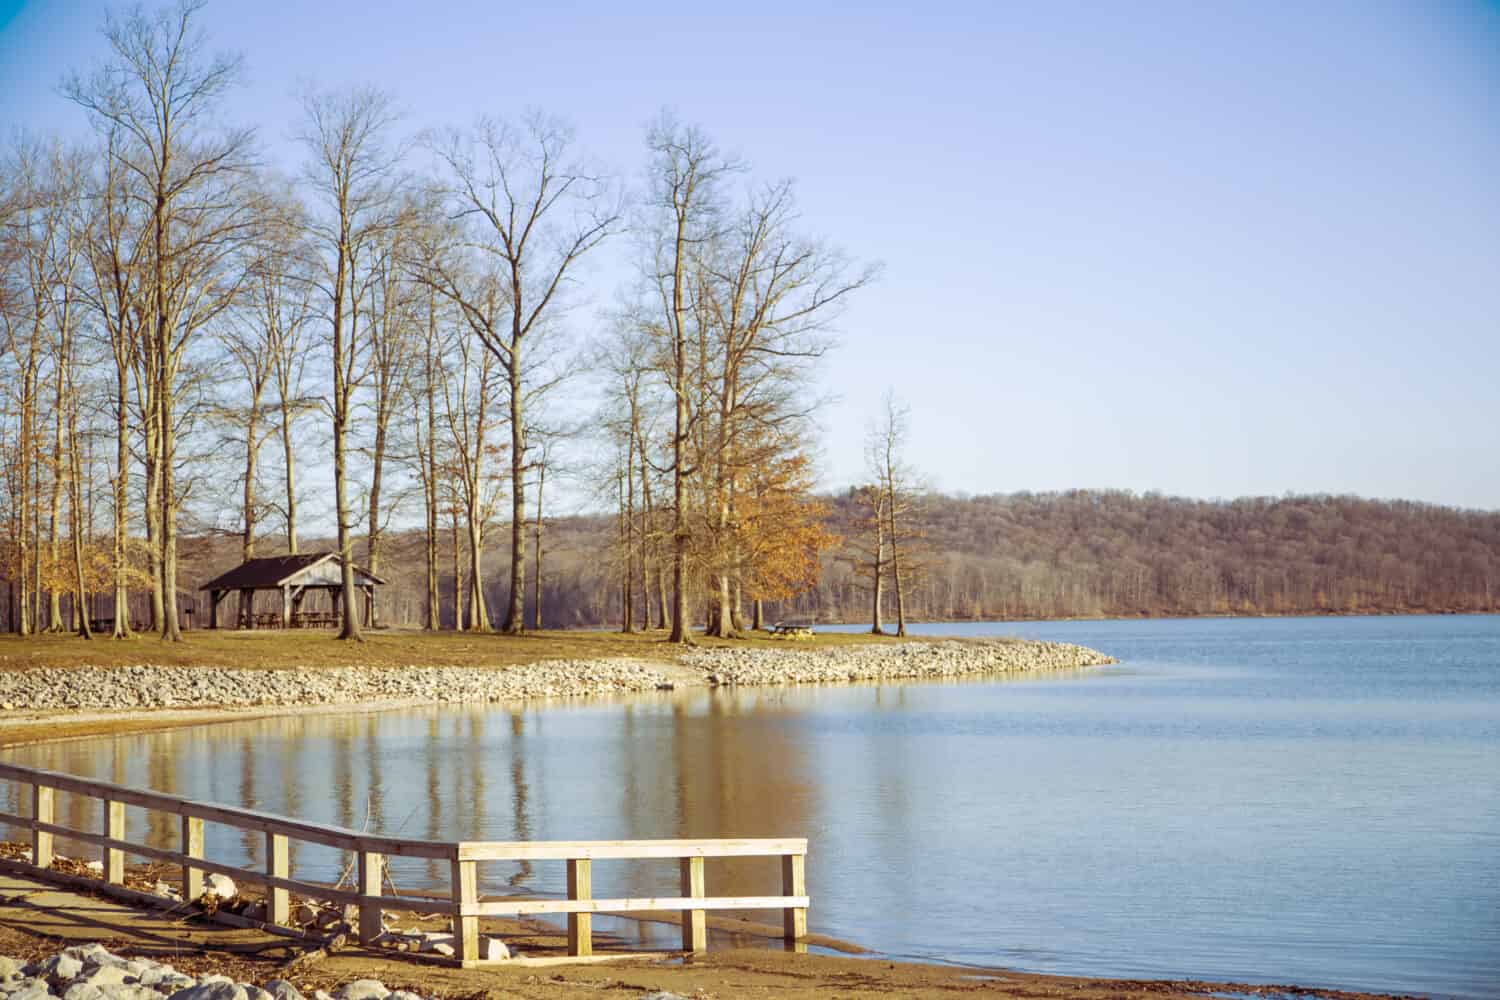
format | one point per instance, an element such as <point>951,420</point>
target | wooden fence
<point>463,903</point>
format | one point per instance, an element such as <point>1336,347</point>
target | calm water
<point>1277,800</point>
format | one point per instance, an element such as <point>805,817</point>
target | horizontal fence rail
<point>463,904</point>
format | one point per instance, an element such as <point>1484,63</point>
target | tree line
<point>1083,553</point>
<point>197,347</point>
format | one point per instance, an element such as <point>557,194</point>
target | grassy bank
<point>275,649</point>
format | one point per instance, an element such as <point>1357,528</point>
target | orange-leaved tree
<point>780,529</point>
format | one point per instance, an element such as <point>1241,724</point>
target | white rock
<point>105,975</point>
<point>493,950</point>
<point>221,988</point>
<point>362,989</point>
<point>129,991</point>
<point>220,885</point>
<point>97,867</point>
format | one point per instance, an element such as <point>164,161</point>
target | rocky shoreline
<point>934,660</point>
<point>92,972</point>
<point>135,688</point>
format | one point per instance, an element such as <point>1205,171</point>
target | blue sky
<point>1208,249</point>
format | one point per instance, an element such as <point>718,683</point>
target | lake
<point>1311,801</point>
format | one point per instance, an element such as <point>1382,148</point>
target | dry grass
<point>274,649</point>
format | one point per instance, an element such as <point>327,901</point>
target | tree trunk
<point>121,628</point>
<point>536,603</point>
<point>516,610</point>
<point>479,616</point>
<point>458,577</point>
<point>349,625</point>
<point>289,456</point>
<point>878,569</point>
<point>153,515</point>
<point>247,535</point>
<point>171,628</point>
<point>896,573</point>
<point>59,479</point>
<point>373,535</point>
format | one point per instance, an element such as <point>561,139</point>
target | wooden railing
<point>463,903</point>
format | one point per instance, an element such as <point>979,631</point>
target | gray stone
<point>322,995</point>
<point>10,968</point>
<point>254,992</point>
<point>129,991</point>
<point>83,991</point>
<point>221,988</point>
<point>283,990</point>
<point>59,968</point>
<point>104,975</point>
<point>34,989</point>
<point>93,954</point>
<point>164,975</point>
<point>403,995</point>
<point>442,948</point>
<point>362,989</point>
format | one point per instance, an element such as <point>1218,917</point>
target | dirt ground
<point>37,919</point>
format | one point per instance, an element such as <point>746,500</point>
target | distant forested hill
<point>1104,552</point>
<point>1079,553</point>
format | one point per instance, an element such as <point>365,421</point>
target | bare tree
<point>162,91</point>
<point>769,296</point>
<point>352,170</point>
<point>532,211</point>
<point>885,445</point>
<point>117,258</point>
<point>685,171</point>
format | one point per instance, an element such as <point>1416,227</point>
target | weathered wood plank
<point>694,922</point>
<point>794,883</point>
<point>465,880</point>
<point>508,907</point>
<point>278,865</point>
<point>580,924</point>
<point>114,831</point>
<point>247,819</point>
<point>558,850</point>
<point>371,878</point>
<point>42,802</point>
<point>192,849</point>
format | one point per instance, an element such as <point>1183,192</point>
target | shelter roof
<point>272,572</point>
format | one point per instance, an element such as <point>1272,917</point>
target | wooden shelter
<point>294,576</point>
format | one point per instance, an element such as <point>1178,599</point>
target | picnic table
<point>314,619</point>
<point>792,630</point>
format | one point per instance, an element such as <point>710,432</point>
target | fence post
<point>794,883</point>
<point>41,812</point>
<point>694,922</point>
<point>278,900</point>
<point>114,829</point>
<point>371,873</point>
<point>465,881</point>
<point>580,925</point>
<point>192,847</point>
